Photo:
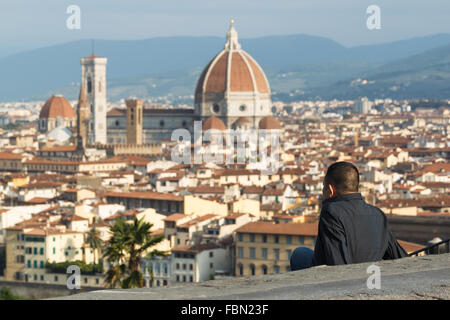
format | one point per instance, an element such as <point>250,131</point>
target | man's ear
<point>332,190</point>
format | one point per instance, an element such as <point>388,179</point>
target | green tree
<point>94,241</point>
<point>7,294</point>
<point>124,251</point>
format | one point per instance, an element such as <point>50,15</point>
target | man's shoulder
<point>339,208</point>
<point>375,209</point>
<point>332,209</point>
<point>336,206</point>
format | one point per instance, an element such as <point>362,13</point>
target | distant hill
<point>424,75</point>
<point>171,65</point>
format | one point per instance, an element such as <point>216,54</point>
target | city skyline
<point>169,162</point>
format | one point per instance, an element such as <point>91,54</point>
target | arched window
<point>161,123</point>
<point>264,269</point>
<point>276,269</point>
<point>89,85</point>
<point>241,269</point>
<point>216,108</point>
<point>252,269</point>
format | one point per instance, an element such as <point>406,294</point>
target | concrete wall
<point>408,278</point>
<point>41,291</point>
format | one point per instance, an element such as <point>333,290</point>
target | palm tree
<point>124,251</point>
<point>94,240</point>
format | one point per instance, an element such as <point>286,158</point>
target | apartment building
<point>11,162</point>
<point>160,269</point>
<point>199,262</point>
<point>29,245</point>
<point>28,249</point>
<point>265,248</point>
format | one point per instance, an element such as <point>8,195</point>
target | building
<point>56,112</point>
<point>233,87</point>
<point>22,141</point>
<point>30,246</point>
<point>93,76</point>
<point>266,248</point>
<point>162,202</point>
<point>362,105</point>
<point>83,118</point>
<point>134,121</point>
<point>232,92</point>
<point>42,165</point>
<point>161,270</point>
<point>199,262</point>
<point>11,162</point>
<point>9,216</point>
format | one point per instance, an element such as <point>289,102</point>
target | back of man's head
<point>344,176</point>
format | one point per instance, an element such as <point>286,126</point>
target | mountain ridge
<point>39,72</point>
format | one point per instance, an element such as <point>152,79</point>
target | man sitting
<point>350,230</point>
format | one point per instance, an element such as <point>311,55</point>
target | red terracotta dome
<point>242,120</point>
<point>269,123</point>
<point>232,70</point>
<point>55,107</point>
<point>213,123</point>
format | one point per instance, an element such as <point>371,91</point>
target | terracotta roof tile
<point>301,229</point>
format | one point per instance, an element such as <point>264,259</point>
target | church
<point>232,92</point>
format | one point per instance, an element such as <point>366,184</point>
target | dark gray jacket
<point>353,231</point>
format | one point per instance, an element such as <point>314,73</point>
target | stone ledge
<point>426,277</point>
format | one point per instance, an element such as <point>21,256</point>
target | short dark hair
<point>344,176</point>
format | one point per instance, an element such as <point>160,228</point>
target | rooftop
<point>301,229</point>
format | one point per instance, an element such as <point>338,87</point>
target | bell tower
<point>134,121</point>
<point>93,75</point>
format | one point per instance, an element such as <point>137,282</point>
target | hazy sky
<point>26,24</point>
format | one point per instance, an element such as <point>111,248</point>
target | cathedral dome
<point>232,70</point>
<point>269,123</point>
<point>57,107</point>
<point>213,123</point>
<point>242,120</point>
<point>242,124</point>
